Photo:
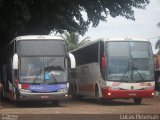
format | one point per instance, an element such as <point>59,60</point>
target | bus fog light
<point>152,93</point>
<point>109,93</point>
<point>66,95</point>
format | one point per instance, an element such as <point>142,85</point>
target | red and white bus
<point>114,69</point>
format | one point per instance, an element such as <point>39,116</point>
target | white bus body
<point>35,67</point>
<point>114,69</point>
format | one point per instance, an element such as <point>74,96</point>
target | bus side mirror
<point>104,62</point>
<point>72,60</point>
<point>156,62</point>
<point>15,61</point>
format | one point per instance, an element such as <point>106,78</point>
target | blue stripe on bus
<point>47,88</point>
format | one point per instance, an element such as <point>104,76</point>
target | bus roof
<point>112,40</point>
<point>126,39</point>
<point>28,37</point>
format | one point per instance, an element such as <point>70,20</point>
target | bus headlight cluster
<point>61,90</point>
<point>24,90</point>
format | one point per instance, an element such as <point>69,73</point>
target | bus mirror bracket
<point>72,60</point>
<point>15,61</point>
<point>104,63</point>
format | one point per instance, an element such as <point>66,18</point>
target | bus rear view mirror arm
<point>72,60</point>
<point>15,61</point>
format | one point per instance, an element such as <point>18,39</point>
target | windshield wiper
<point>134,68</point>
<point>124,74</point>
<point>36,78</point>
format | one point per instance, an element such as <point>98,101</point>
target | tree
<point>73,41</point>
<point>22,17</point>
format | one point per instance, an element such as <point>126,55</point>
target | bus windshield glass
<point>129,61</point>
<point>41,48</point>
<point>42,70</point>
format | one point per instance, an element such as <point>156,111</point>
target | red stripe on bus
<point>108,93</point>
<point>25,86</point>
<point>86,87</point>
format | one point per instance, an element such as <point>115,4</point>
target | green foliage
<point>72,40</point>
<point>21,17</point>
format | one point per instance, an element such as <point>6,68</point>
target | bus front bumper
<point>120,94</point>
<point>42,96</point>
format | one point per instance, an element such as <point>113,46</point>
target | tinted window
<point>87,55</point>
<point>42,69</point>
<point>129,61</point>
<point>41,47</point>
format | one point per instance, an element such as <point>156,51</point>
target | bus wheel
<point>75,96</point>
<point>99,100</point>
<point>2,97</point>
<point>96,92</point>
<point>17,103</point>
<point>55,102</point>
<point>74,92</point>
<point>137,101</point>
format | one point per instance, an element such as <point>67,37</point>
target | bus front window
<point>142,61</point>
<point>129,61</point>
<point>42,70</point>
<point>31,70</point>
<point>118,67</point>
<point>54,69</point>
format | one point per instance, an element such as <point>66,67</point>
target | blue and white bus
<point>35,67</point>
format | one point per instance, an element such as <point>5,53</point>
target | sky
<point>145,26</point>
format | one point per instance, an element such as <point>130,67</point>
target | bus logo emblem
<point>132,87</point>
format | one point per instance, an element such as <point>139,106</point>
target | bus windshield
<point>41,48</point>
<point>42,70</point>
<point>129,61</point>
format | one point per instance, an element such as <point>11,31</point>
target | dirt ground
<point>86,107</point>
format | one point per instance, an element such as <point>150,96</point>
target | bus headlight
<point>62,90</point>
<point>25,91</point>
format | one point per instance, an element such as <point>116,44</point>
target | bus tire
<point>96,91</point>
<point>75,95</point>
<point>1,96</point>
<point>74,92</point>
<point>99,100</point>
<point>137,101</point>
<point>1,93</point>
<point>17,103</point>
<point>55,102</point>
